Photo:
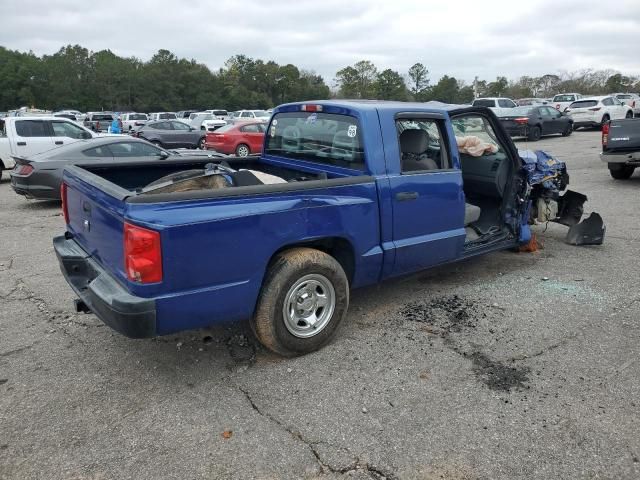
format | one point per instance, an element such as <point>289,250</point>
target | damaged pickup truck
<point>345,194</point>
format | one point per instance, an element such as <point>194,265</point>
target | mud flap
<point>588,232</point>
<point>571,208</point>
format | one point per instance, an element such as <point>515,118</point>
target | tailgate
<point>96,220</point>
<point>624,135</point>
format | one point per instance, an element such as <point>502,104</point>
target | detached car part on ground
<point>158,247</point>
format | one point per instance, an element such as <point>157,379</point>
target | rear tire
<point>243,150</point>
<point>303,301</point>
<point>534,134</point>
<point>629,115</point>
<point>568,131</point>
<point>621,172</point>
<point>201,143</point>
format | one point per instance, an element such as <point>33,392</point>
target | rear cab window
<point>318,137</point>
<point>484,103</point>
<point>584,104</point>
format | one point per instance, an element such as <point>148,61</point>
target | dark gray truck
<point>621,147</point>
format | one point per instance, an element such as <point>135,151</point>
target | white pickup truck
<point>26,136</point>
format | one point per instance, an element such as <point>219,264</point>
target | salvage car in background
<point>621,147</point>
<point>281,238</point>
<point>171,134</point>
<point>133,120</point>
<point>561,101</point>
<point>631,99</point>
<point>241,139</point>
<point>535,121</point>
<point>597,111</point>
<point>26,136</point>
<point>98,121</point>
<point>39,176</point>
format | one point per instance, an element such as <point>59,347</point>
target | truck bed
<point>138,182</point>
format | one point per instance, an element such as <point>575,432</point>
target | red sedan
<point>240,138</point>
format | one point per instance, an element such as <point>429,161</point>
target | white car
<point>561,101</point>
<point>132,120</point>
<point>631,99</point>
<point>26,136</point>
<point>250,115</point>
<point>205,121</point>
<point>219,113</point>
<point>494,102</point>
<point>162,116</point>
<point>597,111</point>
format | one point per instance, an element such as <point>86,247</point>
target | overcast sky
<point>455,37</point>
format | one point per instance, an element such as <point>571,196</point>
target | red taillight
<point>605,134</point>
<point>521,121</point>
<point>595,109</point>
<point>65,207</point>
<point>142,254</point>
<point>24,170</point>
<point>311,108</point>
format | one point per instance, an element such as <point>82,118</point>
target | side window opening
<point>422,146</point>
<point>32,128</point>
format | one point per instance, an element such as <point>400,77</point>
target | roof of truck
<point>385,104</point>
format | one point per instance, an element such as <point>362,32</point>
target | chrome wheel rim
<point>309,305</point>
<point>243,151</point>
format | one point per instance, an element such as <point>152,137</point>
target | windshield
<point>317,137</point>
<point>624,97</point>
<point>484,103</point>
<point>220,113</point>
<point>584,104</point>
<point>524,111</point>
<point>260,113</point>
<point>137,116</point>
<point>564,98</point>
<point>225,128</point>
<point>102,118</point>
<point>167,116</point>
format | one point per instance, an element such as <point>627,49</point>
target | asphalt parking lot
<point>509,366</point>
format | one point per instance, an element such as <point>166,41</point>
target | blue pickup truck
<point>345,194</point>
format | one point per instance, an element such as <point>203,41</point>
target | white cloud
<point>460,38</point>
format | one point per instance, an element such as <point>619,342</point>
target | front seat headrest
<point>414,141</point>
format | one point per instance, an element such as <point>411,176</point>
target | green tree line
<point>75,77</point>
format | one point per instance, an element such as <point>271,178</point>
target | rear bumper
<point>631,158</point>
<point>519,131</point>
<point>132,316</point>
<point>585,123</point>
<point>22,186</point>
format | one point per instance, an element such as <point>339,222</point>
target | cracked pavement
<point>477,370</point>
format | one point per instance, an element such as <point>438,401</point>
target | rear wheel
<point>629,115</point>
<point>605,120</point>
<point>304,299</point>
<point>568,130</point>
<point>242,150</point>
<point>534,134</point>
<point>201,143</point>
<point>621,172</point>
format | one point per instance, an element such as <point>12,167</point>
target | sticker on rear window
<point>352,131</point>
<point>312,118</point>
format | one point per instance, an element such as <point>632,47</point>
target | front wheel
<point>629,115</point>
<point>621,172</point>
<point>303,300</point>
<point>534,134</point>
<point>242,150</point>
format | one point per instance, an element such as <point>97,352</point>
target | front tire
<point>243,150</point>
<point>621,172</point>
<point>304,298</point>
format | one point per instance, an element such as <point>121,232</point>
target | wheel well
<point>337,247</point>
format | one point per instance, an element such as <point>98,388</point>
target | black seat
<point>413,146</point>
